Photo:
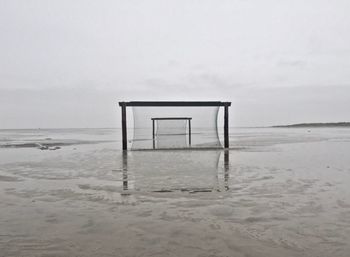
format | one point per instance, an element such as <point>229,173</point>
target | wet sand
<point>279,192</point>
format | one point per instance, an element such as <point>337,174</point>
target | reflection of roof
<point>175,103</point>
<point>172,118</point>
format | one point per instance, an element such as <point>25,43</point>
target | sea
<point>274,192</point>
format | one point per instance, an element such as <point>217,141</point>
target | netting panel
<point>171,127</point>
<point>203,125</point>
<point>171,134</point>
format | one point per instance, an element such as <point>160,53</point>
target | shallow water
<point>277,192</point>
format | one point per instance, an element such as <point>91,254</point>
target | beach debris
<point>46,147</point>
<point>42,147</point>
<point>54,148</point>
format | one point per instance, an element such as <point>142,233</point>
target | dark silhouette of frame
<point>123,106</point>
<point>170,118</point>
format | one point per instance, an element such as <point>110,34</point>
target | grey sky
<point>67,63</point>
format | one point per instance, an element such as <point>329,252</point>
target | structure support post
<point>153,134</point>
<point>226,127</point>
<point>189,132</point>
<point>124,132</point>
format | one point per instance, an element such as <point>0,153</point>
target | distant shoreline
<point>314,125</point>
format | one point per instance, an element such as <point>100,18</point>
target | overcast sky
<point>66,63</point>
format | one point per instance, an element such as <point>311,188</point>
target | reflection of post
<point>125,170</point>
<point>226,168</point>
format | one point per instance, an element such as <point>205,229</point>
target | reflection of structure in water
<point>125,170</point>
<point>166,171</point>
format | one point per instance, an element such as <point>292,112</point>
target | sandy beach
<point>277,192</point>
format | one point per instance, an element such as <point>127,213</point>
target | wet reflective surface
<point>278,192</point>
<point>176,170</point>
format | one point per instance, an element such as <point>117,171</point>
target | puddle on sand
<point>170,171</point>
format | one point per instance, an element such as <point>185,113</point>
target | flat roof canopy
<point>175,103</point>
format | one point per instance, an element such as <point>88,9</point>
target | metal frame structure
<point>170,118</point>
<point>123,106</point>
